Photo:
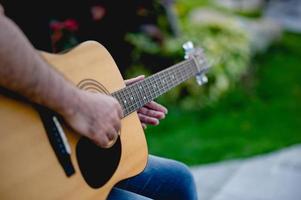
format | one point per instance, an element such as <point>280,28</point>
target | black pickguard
<point>97,165</point>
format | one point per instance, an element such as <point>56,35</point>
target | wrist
<point>67,103</point>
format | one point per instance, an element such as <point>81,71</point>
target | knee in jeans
<point>183,172</point>
<point>185,186</point>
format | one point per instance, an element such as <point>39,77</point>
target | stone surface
<point>208,15</point>
<point>241,5</point>
<point>262,31</point>
<point>213,177</point>
<point>286,12</point>
<point>275,176</point>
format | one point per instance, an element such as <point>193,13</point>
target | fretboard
<point>133,97</point>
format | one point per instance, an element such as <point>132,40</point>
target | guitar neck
<point>133,97</point>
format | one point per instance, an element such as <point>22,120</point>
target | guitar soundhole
<point>97,165</point>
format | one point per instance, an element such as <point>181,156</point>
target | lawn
<point>262,113</point>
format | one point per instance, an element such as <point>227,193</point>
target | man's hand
<point>96,116</point>
<point>150,113</point>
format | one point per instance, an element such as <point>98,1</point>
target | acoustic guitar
<point>41,159</point>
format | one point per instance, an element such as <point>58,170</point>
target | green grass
<point>261,114</point>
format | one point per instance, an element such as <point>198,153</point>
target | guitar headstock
<point>197,54</point>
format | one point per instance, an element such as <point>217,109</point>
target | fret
<point>130,99</point>
<point>173,77</point>
<point>123,100</point>
<point>141,95</point>
<point>160,84</point>
<point>147,94</point>
<point>169,79</point>
<point>118,96</point>
<point>151,86</point>
<point>127,93</point>
<point>136,97</point>
<point>182,73</point>
<point>155,86</point>
<point>166,83</point>
<point>149,90</point>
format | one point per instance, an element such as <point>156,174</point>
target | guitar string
<point>173,81</point>
<point>175,75</point>
<point>150,91</point>
<point>154,81</point>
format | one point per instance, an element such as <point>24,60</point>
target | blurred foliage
<point>183,7</point>
<point>226,47</point>
<point>251,14</point>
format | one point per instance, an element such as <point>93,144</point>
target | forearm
<point>23,70</point>
<point>1,9</point>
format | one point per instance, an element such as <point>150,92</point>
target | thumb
<point>134,80</point>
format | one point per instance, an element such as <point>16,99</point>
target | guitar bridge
<point>57,139</point>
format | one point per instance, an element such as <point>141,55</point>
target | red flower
<point>71,25</point>
<point>56,25</point>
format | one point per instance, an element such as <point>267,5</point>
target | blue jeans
<point>161,179</point>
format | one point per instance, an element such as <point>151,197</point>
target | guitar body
<point>29,168</point>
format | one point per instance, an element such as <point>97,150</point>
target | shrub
<point>226,46</point>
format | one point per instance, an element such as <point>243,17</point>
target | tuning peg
<point>188,48</point>
<point>201,79</point>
